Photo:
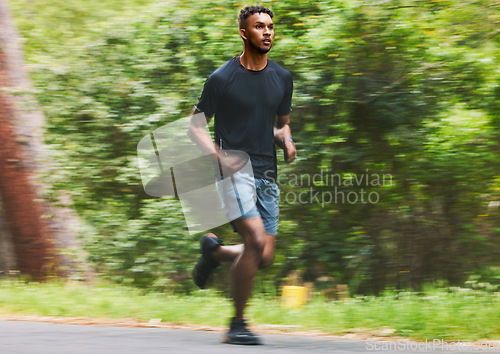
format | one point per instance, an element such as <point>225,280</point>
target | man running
<point>250,97</point>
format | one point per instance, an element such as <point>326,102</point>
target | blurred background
<point>396,116</point>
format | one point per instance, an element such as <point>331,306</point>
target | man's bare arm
<point>198,133</point>
<point>229,162</point>
<point>283,137</point>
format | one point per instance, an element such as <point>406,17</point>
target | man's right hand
<point>231,161</point>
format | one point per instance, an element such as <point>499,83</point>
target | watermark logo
<point>402,345</point>
<point>326,188</point>
<point>212,189</point>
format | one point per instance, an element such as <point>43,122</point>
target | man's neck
<point>253,60</point>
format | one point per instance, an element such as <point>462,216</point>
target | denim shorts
<point>249,197</point>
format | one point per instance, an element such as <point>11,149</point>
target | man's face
<point>259,32</point>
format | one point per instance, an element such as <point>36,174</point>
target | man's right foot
<point>239,334</point>
<point>206,264</point>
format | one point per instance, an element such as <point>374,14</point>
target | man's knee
<point>268,254</point>
<point>256,242</point>
<point>253,234</point>
<point>266,261</point>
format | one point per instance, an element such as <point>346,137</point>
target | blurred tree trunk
<point>35,228</point>
<point>7,255</point>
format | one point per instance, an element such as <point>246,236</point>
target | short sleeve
<point>285,106</point>
<point>211,95</point>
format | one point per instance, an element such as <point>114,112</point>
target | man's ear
<point>243,33</point>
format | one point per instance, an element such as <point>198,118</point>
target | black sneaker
<point>206,264</point>
<point>239,334</point>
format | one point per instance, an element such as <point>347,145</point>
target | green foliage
<point>405,90</point>
<point>152,251</point>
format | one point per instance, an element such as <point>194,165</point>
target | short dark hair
<point>249,11</point>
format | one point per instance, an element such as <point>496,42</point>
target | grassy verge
<point>458,314</point>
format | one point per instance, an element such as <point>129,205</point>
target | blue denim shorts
<point>267,204</point>
<point>254,197</point>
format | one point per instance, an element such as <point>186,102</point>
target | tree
<point>35,228</point>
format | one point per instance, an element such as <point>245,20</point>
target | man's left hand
<point>289,151</point>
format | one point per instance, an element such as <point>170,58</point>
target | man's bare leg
<point>256,252</point>
<point>227,253</point>
<point>268,254</point>
<point>230,253</point>
<point>248,262</point>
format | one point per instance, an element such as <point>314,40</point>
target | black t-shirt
<point>245,104</point>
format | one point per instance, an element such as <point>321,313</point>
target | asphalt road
<point>21,337</point>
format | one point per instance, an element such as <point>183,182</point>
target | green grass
<point>110,302</point>
<point>459,314</point>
